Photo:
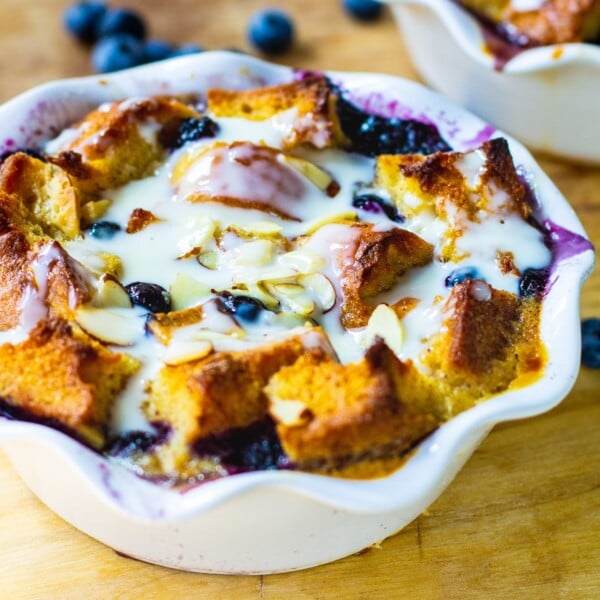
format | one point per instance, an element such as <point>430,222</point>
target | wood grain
<point>522,520</point>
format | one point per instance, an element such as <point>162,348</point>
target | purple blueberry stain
<point>105,477</point>
<point>565,243</point>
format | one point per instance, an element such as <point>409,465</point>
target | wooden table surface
<point>522,520</point>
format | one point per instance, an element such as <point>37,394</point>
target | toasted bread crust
<point>378,259</point>
<point>65,376</point>
<point>313,122</point>
<point>111,149</point>
<point>350,411</point>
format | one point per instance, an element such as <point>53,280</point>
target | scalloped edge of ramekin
<point>325,518</point>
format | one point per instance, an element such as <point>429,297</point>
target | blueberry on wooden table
<point>116,21</point>
<point>590,343</point>
<point>365,10</point>
<point>81,20</point>
<point>271,31</point>
<point>155,50</point>
<point>117,52</point>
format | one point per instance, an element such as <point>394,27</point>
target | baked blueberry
<point>196,129</point>
<point>372,135</point>
<point>533,283</point>
<point>461,274</point>
<point>155,50</point>
<point>243,307</point>
<point>121,20</point>
<point>374,204</point>
<point>81,20</point>
<point>590,343</point>
<point>241,449</point>
<point>104,230</point>
<point>365,10</point>
<point>271,31</point>
<point>117,52</point>
<point>150,296</point>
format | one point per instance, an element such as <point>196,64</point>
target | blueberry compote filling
<point>131,443</point>
<point>372,135</point>
<point>243,449</point>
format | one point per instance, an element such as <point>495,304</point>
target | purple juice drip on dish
<point>565,243</point>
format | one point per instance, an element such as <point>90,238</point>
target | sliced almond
<point>203,232</point>
<point>303,261</point>
<point>109,326</point>
<point>294,297</point>
<point>321,287</point>
<point>344,218</point>
<point>321,178</point>
<point>182,352</point>
<point>257,229</point>
<point>209,259</point>
<point>289,412</point>
<point>187,291</point>
<point>257,290</point>
<point>384,323</point>
<point>256,253</point>
<point>111,294</point>
<point>276,274</point>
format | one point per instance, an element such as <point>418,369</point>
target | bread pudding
<point>263,279</point>
<point>541,22</point>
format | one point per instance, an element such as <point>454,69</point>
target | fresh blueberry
<point>365,10</point>
<point>590,343</point>
<point>121,20</point>
<point>186,49</point>
<point>372,135</point>
<point>117,52</point>
<point>150,296</point>
<point>374,204</point>
<point>104,230</point>
<point>81,20</point>
<point>155,50</point>
<point>244,307</point>
<point>461,274</point>
<point>533,283</point>
<point>271,31</point>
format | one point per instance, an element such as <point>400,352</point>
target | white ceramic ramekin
<point>266,522</point>
<point>546,97</point>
